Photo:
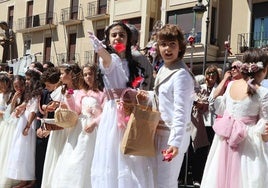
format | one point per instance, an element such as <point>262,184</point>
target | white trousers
<point>167,173</point>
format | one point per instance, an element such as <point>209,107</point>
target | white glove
<point>97,44</point>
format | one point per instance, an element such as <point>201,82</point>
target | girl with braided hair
<point>239,156</point>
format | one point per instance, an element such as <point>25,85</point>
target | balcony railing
<point>68,58</point>
<point>72,15</point>
<point>95,10</point>
<point>41,58</point>
<point>37,22</point>
<point>247,40</point>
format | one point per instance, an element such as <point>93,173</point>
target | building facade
<point>56,30</point>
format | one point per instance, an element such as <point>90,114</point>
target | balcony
<point>41,58</point>
<point>72,16</point>
<point>247,40</point>
<point>68,58</point>
<point>95,11</point>
<point>36,23</point>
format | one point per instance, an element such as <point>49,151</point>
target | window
<point>102,6</point>
<point>260,25</point>
<point>50,7</point>
<point>184,18</point>
<point>47,49</point>
<point>74,9</point>
<point>72,45</point>
<point>10,16</point>
<point>29,18</point>
<point>260,35</point>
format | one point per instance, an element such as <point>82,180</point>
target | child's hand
<point>170,153</point>
<point>26,131</point>
<point>52,106</point>
<point>90,127</point>
<point>39,133</point>
<point>19,110</point>
<point>97,44</point>
<point>45,133</point>
<point>142,95</point>
<point>265,134</point>
<point>16,96</point>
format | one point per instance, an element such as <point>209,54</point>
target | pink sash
<point>233,131</point>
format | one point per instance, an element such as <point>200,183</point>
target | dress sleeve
<point>33,105</point>
<point>255,132</point>
<point>115,62</point>
<point>97,109</point>
<point>219,104</point>
<point>75,101</point>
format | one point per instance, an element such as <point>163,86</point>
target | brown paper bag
<point>139,135</point>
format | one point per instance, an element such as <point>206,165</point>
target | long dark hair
<point>35,88</point>
<point>96,85</point>
<point>76,72</point>
<point>133,66</point>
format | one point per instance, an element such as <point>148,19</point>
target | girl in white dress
<point>21,165</point>
<point>70,74</point>
<point>238,157</point>
<point>78,150</point>
<point>5,94</point>
<point>9,122</point>
<point>111,168</point>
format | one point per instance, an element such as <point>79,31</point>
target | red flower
<point>119,47</point>
<point>70,91</point>
<point>167,156</point>
<point>137,81</point>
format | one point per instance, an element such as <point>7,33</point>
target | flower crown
<point>251,67</point>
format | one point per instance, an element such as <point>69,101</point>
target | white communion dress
<point>238,157</point>
<point>8,126</point>
<point>110,167</point>
<point>74,165</point>
<point>55,146</point>
<point>21,165</point>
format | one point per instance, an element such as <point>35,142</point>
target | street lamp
<point>199,10</point>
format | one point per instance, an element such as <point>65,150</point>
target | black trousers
<point>41,148</point>
<point>196,161</point>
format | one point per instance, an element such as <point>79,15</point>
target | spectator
<point>141,59</point>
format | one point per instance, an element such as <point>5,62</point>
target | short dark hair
<point>170,32</point>
<point>49,64</point>
<point>51,75</point>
